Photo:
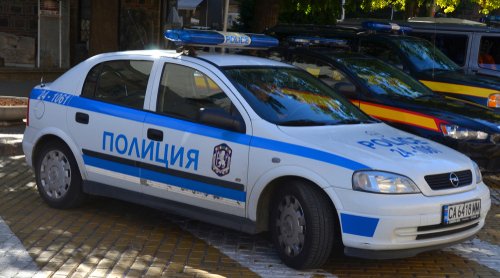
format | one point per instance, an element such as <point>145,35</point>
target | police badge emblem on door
<point>221,160</point>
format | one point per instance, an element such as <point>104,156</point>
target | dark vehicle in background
<point>387,93</point>
<point>473,46</point>
<point>415,56</point>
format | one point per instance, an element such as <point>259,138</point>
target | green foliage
<point>309,11</point>
<point>487,6</point>
<point>447,6</point>
<point>381,4</point>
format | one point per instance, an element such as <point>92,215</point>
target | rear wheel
<point>58,178</point>
<point>302,225</point>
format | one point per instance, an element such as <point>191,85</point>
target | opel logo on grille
<point>454,179</point>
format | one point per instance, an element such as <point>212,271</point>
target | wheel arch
<point>51,135</point>
<point>261,195</point>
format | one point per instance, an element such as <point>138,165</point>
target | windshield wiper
<point>302,123</point>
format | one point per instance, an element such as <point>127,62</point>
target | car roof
<point>217,59</point>
<point>228,60</point>
<point>333,53</point>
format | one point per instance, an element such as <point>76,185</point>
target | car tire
<point>302,225</point>
<point>58,178</point>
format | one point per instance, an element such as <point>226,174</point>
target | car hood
<point>459,77</point>
<point>381,147</point>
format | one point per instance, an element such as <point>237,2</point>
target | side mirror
<point>346,89</point>
<point>219,118</point>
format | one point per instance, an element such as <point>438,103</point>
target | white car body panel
<point>326,156</point>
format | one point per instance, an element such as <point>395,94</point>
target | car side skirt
<point>209,216</point>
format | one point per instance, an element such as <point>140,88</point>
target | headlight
<point>479,176</point>
<point>461,133</point>
<point>383,182</point>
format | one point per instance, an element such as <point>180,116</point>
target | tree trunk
<point>266,14</point>
<point>431,9</point>
<point>410,9</point>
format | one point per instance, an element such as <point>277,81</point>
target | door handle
<point>82,118</point>
<point>155,134</point>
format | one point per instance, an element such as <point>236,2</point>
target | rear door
<point>188,160</point>
<point>106,121</point>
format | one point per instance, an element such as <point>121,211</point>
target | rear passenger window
<point>489,53</point>
<point>454,46</point>
<point>184,91</point>
<point>122,82</point>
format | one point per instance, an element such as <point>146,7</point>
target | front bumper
<point>403,225</point>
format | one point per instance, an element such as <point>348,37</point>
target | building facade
<point>61,33</point>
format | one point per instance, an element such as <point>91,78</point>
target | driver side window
<point>185,91</point>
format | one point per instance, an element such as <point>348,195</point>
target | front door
<point>191,161</point>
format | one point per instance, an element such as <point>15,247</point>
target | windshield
<point>289,96</point>
<point>383,79</point>
<point>424,56</point>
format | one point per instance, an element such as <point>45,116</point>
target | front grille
<point>443,181</point>
<point>442,233</point>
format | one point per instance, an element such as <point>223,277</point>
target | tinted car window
<point>383,79</point>
<point>286,96</point>
<point>184,91</point>
<point>452,45</point>
<point>121,82</point>
<point>424,56</point>
<point>381,51</point>
<point>489,53</point>
<point>319,69</point>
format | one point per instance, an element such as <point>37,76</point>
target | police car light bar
<point>385,27</point>
<point>317,41</point>
<point>222,39</point>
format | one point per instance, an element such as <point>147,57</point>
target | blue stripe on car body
<point>164,178</point>
<point>194,128</point>
<point>358,225</point>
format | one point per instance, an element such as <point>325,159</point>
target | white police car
<point>250,144</point>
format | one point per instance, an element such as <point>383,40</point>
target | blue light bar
<point>385,27</point>
<point>317,41</point>
<point>222,39</point>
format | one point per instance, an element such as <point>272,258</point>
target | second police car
<point>388,94</point>
<point>251,144</point>
<point>415,56</point>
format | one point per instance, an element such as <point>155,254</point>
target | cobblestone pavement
<point>111,238</point>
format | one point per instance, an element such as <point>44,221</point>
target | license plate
<point>461,212</point>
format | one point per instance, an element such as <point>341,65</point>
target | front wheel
<point>302,225</point>
<point>58,178</point>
